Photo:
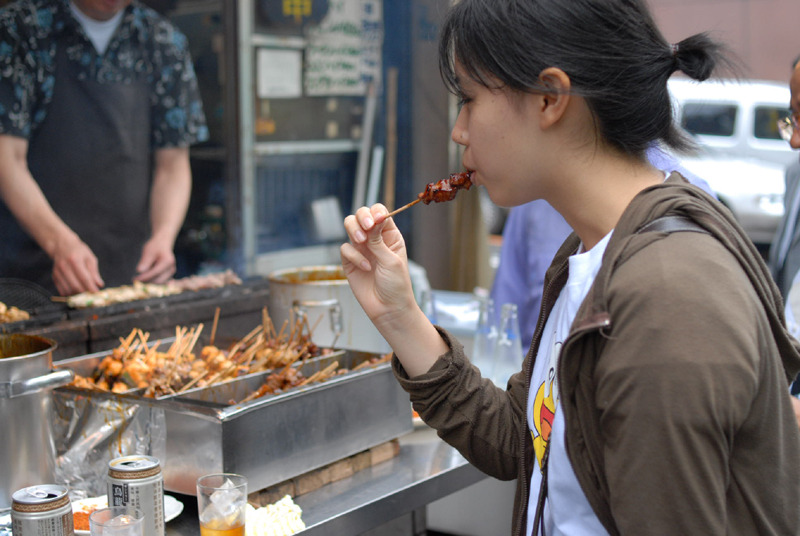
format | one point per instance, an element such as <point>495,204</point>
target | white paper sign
<point>279,73</point>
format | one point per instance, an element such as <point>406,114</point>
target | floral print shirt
<point>144,47</point>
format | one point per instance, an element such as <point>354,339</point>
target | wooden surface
<point>332,472</point>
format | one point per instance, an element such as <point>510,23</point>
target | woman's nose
<point>458,136</point>
<point>459,133</point>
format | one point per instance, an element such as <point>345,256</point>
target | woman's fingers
<point>354,257</point>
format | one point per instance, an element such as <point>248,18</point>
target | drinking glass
<point>221,504</point>
<point>117,521</point>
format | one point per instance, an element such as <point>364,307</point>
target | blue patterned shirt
<point>144,47</point>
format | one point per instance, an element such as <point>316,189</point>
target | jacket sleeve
<point>676,381</point>
<point>470,413</point>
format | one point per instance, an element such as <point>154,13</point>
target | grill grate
<point>24,294</point>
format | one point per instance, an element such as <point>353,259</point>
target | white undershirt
<point>567,512</point>
<point>98,31</point>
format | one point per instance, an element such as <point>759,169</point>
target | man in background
<point>784,254</point>
<point>98,106</point>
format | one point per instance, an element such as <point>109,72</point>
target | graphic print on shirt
<point>544,406</point>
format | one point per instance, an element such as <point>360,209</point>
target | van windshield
<point>765,126</point>
<point>709,119</point>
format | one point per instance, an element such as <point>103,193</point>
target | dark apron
<point>91,158</point>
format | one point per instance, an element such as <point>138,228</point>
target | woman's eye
<point>463,100</point>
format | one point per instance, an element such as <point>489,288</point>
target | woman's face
<point>101,9</point>
<point>498,130</point>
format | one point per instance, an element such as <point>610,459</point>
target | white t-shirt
<point>98,31</point>
<point>567,512</point>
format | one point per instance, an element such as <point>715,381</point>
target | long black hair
<point>612,50</point>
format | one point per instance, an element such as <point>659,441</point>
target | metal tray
<point>277,437</point>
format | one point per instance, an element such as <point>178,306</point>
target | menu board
<point>344,50</point>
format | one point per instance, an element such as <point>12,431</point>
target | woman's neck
<point>597,190</point>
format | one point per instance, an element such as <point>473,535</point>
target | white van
<point>734,118</point>
<point>742,155</point>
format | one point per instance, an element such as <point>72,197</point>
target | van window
<point>710,119</point>
<point>765,126</point>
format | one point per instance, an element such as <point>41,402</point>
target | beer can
<point>41,510</point>
<point>137,481</point>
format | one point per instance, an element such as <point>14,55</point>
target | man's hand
<point>169,199</point>
<point>75,267</point>
<point>157,263</point>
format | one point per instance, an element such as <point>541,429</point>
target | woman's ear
<point>554,102</point>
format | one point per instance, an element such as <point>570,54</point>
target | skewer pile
<point>137,364</point>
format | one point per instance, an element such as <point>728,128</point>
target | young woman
<point>653,399</point>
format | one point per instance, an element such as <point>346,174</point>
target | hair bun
<point>695,56</point>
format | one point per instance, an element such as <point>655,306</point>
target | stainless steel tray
<point>277,437</point>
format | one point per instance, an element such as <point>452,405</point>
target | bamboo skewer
<point>401,209</point>
<point>317,376</point>
<point>193,340</point>
<point>261,350</point>
<point>214,327</point>
<point>193,382</point>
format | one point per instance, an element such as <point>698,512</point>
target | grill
<point>27,296</point>
<point>83,331</point>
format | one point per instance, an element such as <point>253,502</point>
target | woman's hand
<point>376,265</point>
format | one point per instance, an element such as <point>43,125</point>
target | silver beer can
<point>41,510</point>
<point>137,481</point>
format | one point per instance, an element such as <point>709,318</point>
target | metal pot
<point>323,294</point>
<point>27,451</point>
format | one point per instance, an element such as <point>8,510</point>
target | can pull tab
<point>133,464</point>
<point>42,494</point>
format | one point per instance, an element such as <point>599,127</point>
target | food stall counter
<point>425,470</point>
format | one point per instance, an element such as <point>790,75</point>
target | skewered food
<point>12,314</point>
<point>291,377</point>
<point>141,291</point>
<point>440,191</point>
<point>137,364</point>
<point>446,189</point>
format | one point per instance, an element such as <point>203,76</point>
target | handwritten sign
<point>344,50</point>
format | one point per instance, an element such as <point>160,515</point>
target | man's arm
<point>74,265</point>
<point>169,200</point>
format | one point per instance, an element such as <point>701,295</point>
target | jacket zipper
<point>537,335</point>
<point>582,329</point>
